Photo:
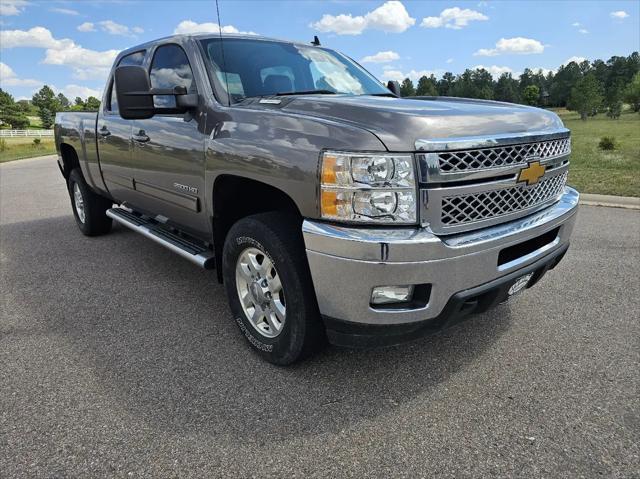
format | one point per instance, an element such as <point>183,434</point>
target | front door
<point>168,149</point>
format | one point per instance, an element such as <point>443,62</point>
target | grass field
<point>18,148</point>
<point>592,170</point>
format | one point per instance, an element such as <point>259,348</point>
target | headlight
<point>368,188</point>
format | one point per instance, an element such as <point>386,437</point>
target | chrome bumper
<point>347,263</point>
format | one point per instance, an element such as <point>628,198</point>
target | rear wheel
<point>89,208</point>
<point>269,287</point>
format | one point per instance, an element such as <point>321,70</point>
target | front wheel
<point>269,287</point>
<point>89,208</point>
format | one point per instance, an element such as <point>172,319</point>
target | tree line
<point>586,87</point>
<point>44,104</point>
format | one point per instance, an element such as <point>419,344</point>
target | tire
<point>279,240</point>
<point>89,209</point>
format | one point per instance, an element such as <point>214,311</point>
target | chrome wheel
<point>260,292</point>
<point>78,201</point>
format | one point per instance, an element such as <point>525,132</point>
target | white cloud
<point>87,27</point>
<point>514,46</point>
<point>391,17</point>
<point>114,28</point>
<point>575,59</point>
<point>12,7</point>
<point>455,18</point>
<point>449,60</point>
<point>495,70</point>
<point>619,14</point>
<point>37,37</point>
<point>189,27</point>
<point>381,57</point>
<point>583,30</point>
<point>576,24</point>
<point>65,11</point>
<point>72,91</point>
<point>9,78</point>
<point>414,75</point>
<point>85,63</point>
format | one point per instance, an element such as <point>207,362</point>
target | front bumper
<point>347,263</point>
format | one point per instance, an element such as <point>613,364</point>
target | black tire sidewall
<point>96,222</point>
<point>76,179</point>
<point>287,346</point>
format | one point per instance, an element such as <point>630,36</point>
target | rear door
<point>168,149</point>
<point>114,140</point>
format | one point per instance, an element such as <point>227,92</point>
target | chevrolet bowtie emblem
<point>532,173</point>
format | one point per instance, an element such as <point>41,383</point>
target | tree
<point>78,102</point>
<point>92,103</point>
<point>10,112</point>
<point>631,93</point>
<point>427,86</point>
<point>445,84</point>
<point>47,118</point>
<point>46,99</point>
<point>63,101</point>
<point>586,96</point>
<point>506,88</point>
<point>48,105</point>
<point>531,95</point>
<point>406,88</point>
<point>614,109</point>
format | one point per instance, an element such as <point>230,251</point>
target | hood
<point>399,122</point>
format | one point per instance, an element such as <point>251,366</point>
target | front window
<point>251,68</point>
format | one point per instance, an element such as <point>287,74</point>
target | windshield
<point>251,68</point>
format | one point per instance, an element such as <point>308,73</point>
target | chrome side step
<point>189,249</point>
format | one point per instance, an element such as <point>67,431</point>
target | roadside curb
<point>628,202</point>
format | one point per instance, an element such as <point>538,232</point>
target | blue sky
<point>70,44</point>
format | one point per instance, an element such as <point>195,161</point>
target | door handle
<point>141,137</point>
<point>104,131</point>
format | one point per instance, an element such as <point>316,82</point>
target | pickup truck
<point>331,208</point>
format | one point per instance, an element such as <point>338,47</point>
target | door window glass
<point>170,68</point>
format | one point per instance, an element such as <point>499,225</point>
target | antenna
<point>224,62</point>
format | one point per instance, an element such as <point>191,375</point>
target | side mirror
<point>393,86</point>
<point>135,95</point>
<point>133,90</point>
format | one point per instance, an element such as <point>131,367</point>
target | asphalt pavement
<point>120,359</point>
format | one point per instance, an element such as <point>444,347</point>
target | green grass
<point>35,123</point>
<point>592,170</point>
<point>19,148</point>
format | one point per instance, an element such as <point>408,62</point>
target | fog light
<point>391,294</point>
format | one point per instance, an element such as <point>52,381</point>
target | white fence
<point>25,133</point>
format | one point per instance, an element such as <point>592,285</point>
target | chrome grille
<point>473,207</point>
<point>509,155</point>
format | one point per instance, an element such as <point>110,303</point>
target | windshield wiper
<point>307,92</point>
<point>383,94</point>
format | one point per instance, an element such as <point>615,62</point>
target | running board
<point>187,248</point>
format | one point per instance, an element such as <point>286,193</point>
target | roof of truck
<point>204,35</point>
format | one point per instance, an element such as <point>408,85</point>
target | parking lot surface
<point>120,359</point>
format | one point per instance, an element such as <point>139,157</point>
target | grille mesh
<point>469,160</point>
<point>465,209</point>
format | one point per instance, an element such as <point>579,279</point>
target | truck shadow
<point>156,334</point>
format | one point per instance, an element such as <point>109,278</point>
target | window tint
<point>170,68</point>
<point>135,59</point>
<point>261,68</point>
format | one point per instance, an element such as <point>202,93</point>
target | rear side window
<point>135,59</point>
<point>170,68</point>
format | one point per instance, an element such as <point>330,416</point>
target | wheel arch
<point>236,197</point>
<point>70,159</point>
